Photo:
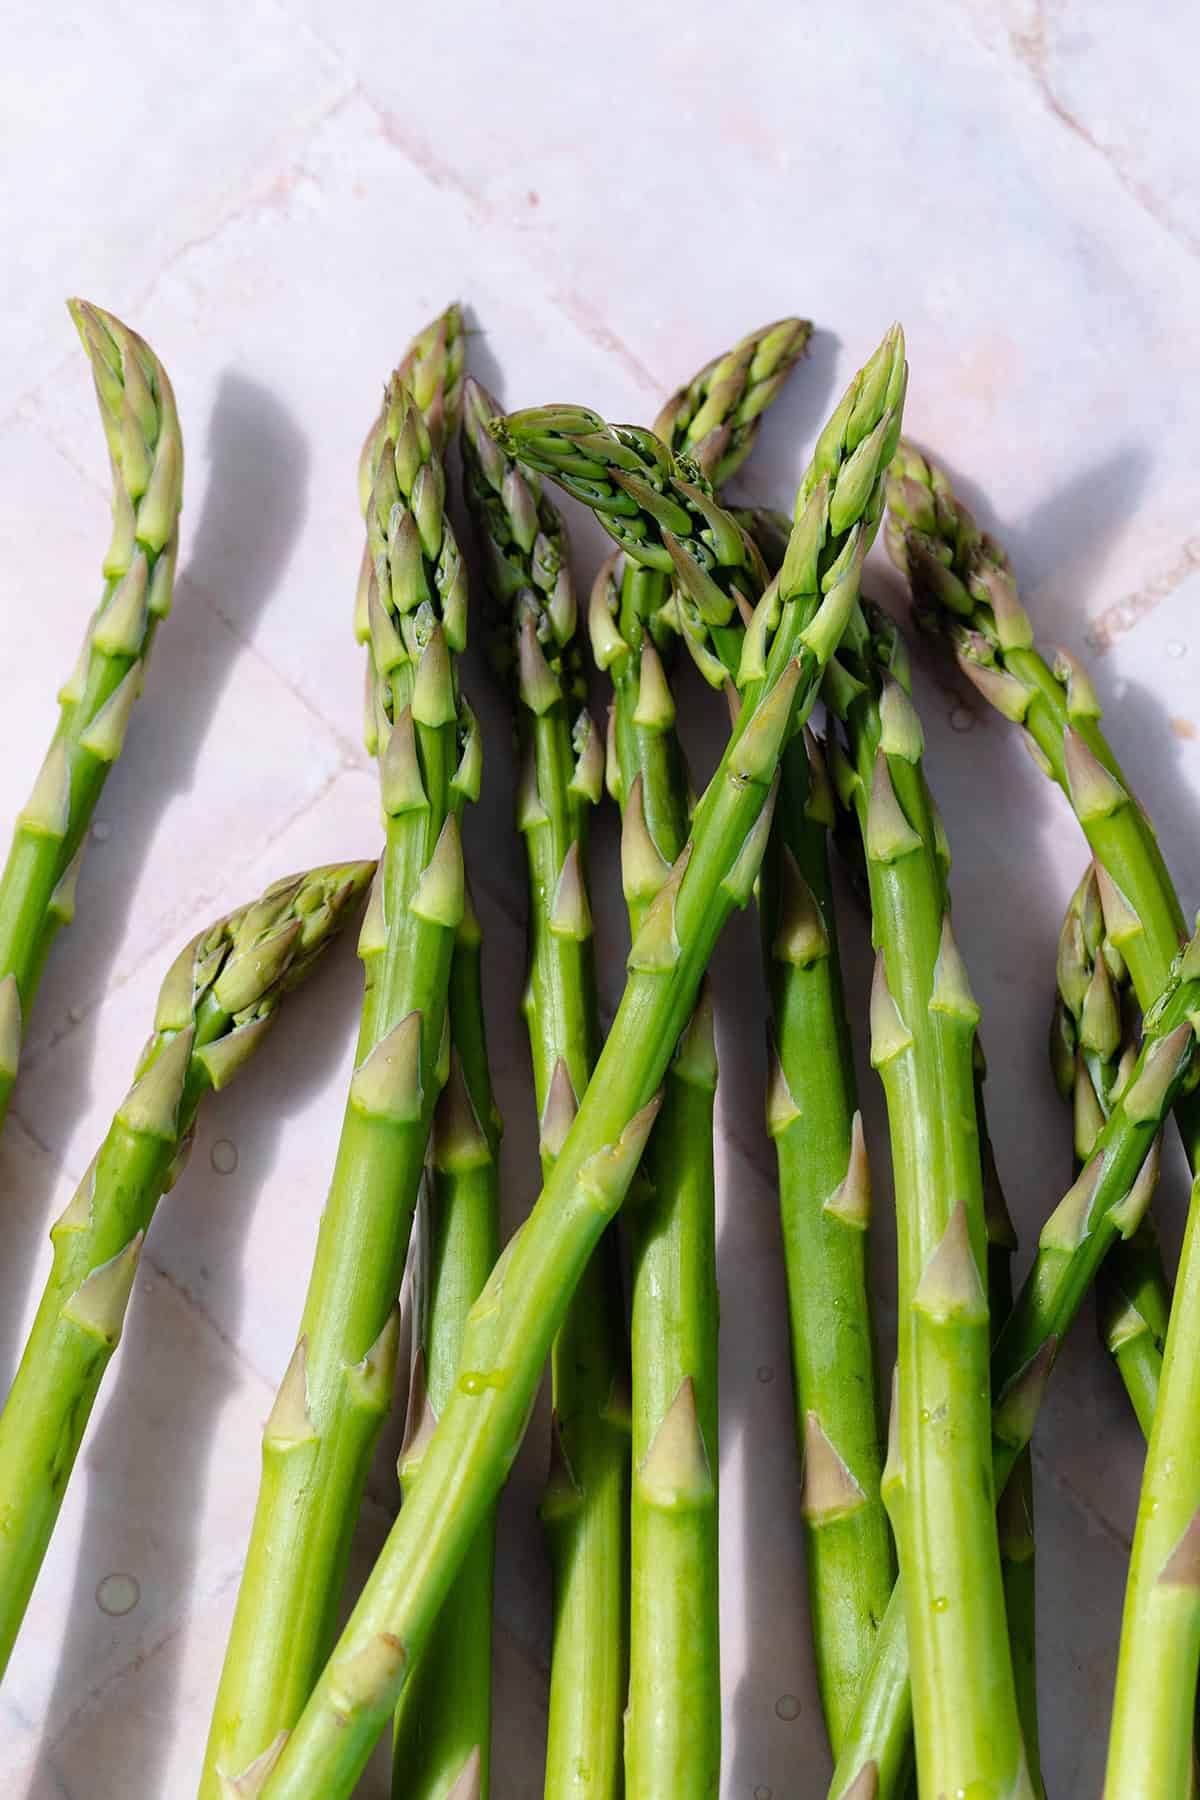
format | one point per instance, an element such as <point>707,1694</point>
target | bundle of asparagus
<point>920,1566</point>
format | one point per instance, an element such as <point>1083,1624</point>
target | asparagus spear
<point>963,587</point>
<point>672,1736</point>
<point>822,1159</point>
<point>319,1440</point>
<point>923,1019</point>
<point>37,889</point>
<point>714,418</point>
<point>1150,1745</point>
<point>963,584</point>
<point>218,1000</point>
<point>586,1506</point>
<point>1107,1200</point>
<point>515,1319</point>
<point>1093,1042</point>
<point>1014,1515</point>
<point>673,1727</point>
<point>443,1721</point>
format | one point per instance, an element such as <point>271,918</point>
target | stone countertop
<point>277,194</point>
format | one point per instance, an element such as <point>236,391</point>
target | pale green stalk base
<point>1150,1748</point>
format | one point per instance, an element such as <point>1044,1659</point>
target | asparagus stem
<point>318,1443</point>
<point>923,1020</point>
<point>1015,1512</point>
<point>673,1727</point>
<point>514,1321</point>
<point>824,1191</point>
<point>963,586</point>
<point>443,1721</point>
<point>1133,1309</point>
<point>37,889</point>
<point>586,1507</point>
<point>1108,1200</point>
<point>962,582</point>
<point>812,1115</point>
<point>218,1000</point>
<point>1150,1745</point>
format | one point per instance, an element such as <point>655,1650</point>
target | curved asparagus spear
<point>1093,1043</point>
<point>443,1722</point>
<point>514,1322</point>
<point>37,889</point>
<point>1107,1201</point>
<point>673,1727</point>
<point>319,1439</point>
<point>586,1506</point>
<point>963,586</point>
<point>219,998</point>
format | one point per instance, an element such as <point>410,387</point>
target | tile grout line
<point>1029,53</point>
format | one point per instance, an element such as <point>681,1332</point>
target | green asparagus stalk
<point>514,1322</point>
<point>962,583</point>
<point>319,1439</point>
<point>1150,1753</point>
<point>586,1506</point>
<point>672,1735</point>
<point>217,1002</point>
<point>1014,1514</point>
<point>1134,1305</point>
<point>923,1019</point>
<point>1107,1201</point>
<point>825,1199</point>
<point>813,1116</point>
<point>443,1722</point>
<point>1093,1042</point>
<point>963,587</point>
<point>37,889</point>
<point>673,1727</point>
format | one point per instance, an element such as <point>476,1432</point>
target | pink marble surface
<point>277,193</point>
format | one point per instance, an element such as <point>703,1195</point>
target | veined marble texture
<point>277,194</point>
